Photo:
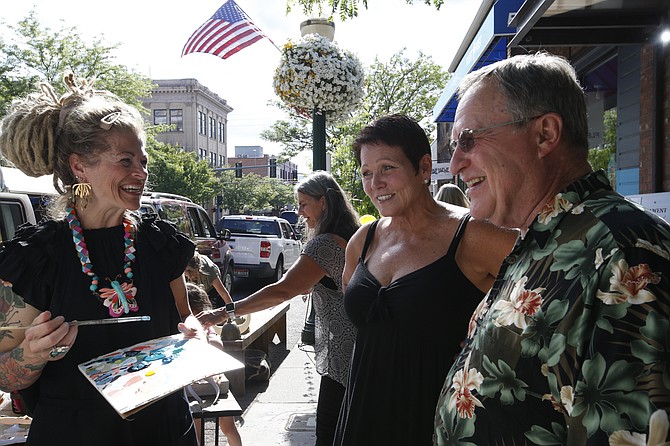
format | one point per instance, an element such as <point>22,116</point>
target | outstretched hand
<point>212,317</point>
<point>192,328</point>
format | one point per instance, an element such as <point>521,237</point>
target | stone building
<point>198,116</point>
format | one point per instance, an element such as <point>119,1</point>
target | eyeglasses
<point>466,138</point>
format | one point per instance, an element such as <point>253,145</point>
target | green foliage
<point>35,53</point>
<point>175,171</point>
<point>295,134</point>
<point>599,157</point>
<point>346,9</point>
<point>253,193</point>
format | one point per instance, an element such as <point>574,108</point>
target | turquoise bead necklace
<point>120,298</point>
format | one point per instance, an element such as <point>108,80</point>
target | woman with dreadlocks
<point>92,260</point>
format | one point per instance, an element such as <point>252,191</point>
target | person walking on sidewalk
<point>412,280</point>
<point>330,221</point>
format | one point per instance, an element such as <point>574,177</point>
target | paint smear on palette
<point>136,376</point>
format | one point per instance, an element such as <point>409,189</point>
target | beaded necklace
<point>120,298</point>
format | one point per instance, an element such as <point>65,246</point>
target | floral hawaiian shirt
<point>572,344</point>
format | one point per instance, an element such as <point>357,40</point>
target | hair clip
<point>107,121</point>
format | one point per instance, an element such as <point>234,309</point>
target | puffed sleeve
<point>29,261</point>
<point>174,247</point>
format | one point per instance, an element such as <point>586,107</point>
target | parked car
<point>193,220</point>
<point>263,247</point>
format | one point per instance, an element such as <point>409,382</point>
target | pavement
<point>285,414</point>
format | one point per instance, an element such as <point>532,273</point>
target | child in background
<point>199,301</point>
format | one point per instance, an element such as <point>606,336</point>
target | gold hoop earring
<point>81,193</point>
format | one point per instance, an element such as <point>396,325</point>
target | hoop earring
<point>81,193</point>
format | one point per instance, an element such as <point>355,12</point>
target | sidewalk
<point>285,413</point>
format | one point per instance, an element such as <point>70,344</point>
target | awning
<point>486,47</point>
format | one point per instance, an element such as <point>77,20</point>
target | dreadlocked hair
<point>42,130</point>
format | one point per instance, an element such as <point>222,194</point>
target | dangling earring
<point>81,192</point>
<point>426,181</point>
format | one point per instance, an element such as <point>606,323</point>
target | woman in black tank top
<point>413,278</point>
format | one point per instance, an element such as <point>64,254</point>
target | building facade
<point>198,118</point>
<point>265,166</point>
<point>620,58</point>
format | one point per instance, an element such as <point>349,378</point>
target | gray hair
<point>339,217</point>
<point>534,84</point>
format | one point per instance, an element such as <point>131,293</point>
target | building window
<point>202,123</point>
<point>212,159</point>
<point>160,116</point>
<point>222,161</point>
<point>177,119</point>
<point>203,154</point>
<point>212,127</point>
<point>222,132</point>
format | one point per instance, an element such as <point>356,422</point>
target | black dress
<point>42,264</point>
<point>409,334</point>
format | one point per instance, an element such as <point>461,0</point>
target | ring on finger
<point>58,350</point>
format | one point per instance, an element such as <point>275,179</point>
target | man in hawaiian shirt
<point>571,345</point>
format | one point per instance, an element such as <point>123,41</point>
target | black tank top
<point>409,333</point>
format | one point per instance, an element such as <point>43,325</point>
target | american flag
<point>228,31</point>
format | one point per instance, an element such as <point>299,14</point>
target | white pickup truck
<point>263,247</point>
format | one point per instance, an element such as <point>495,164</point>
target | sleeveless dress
<point>44,269</point>
<point>409,334</point>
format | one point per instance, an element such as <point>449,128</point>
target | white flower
<point>658,431</point>
<point>315,74</point>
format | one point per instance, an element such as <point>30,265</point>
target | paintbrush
<point>111,320</point>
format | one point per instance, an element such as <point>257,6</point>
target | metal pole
<point>319,140</point>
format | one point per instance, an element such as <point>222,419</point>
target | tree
<point>600,157</point>
<point>36,53</point>
<point>347,8</point>
<point>175,171</point>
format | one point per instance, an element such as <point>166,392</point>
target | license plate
<point>242,272</point>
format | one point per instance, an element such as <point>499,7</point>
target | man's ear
<point>548,130</point>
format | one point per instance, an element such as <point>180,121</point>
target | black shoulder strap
<point>368,238</point>
<point>458,235</point>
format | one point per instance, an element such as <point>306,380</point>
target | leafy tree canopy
<point>346,9</point>
<point>34,53</point>
<point>175,171</point>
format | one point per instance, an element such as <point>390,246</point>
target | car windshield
<point>251,227</point>
<point>290,216</point>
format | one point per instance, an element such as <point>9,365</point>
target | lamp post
<point>325,28</point>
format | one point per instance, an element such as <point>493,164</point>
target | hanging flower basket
<point>315,74</point>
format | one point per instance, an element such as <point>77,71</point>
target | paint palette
<point>134,377</point>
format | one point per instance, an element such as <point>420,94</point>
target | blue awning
<point>487,46</point>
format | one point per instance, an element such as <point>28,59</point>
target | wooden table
<point>263,326</point>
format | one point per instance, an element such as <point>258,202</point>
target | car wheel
<point>279,270</point>
<point>228,279</point>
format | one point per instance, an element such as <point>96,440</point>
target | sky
<point>152,33</point>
